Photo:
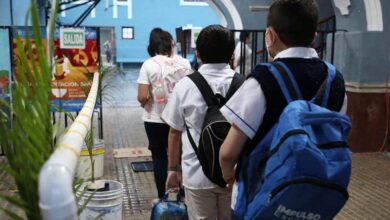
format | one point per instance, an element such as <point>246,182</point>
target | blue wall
<point>20,8</point>
<point>146,14</point>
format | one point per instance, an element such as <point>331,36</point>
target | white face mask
<point>266,45</point>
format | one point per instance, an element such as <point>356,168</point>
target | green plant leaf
<point>11,214</point>
<point>26,138</point>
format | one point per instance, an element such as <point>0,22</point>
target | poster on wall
<point>73,69</point>
<point>5,64</point>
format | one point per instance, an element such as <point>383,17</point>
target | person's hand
<point>229,177</point>
<point>174,180</point>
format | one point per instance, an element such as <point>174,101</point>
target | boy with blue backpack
<point>288,159</point>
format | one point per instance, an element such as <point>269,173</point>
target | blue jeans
<point>158,143</point>
<point>108,56</point>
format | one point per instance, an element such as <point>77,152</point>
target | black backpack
<point>215,127</point>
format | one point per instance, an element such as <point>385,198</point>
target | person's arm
<point>230,152</point>
<point>345,105</point>
<point>144,82</point>
<point>237,62</point>
<point>174,178</point>
<point>245,115</point>
<point>143,94</point>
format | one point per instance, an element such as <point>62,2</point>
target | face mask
<point>267,46</point>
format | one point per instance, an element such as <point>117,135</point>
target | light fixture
<point>258,7</point>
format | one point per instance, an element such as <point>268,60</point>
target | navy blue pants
<point>108,56</point>
<point>158,143</point>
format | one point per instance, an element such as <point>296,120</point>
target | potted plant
<point>99,199</point>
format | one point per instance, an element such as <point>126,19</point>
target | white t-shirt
<point>248,58</point>
<point>149,75</point>
<point>247,113</point>
<point>186,104</point>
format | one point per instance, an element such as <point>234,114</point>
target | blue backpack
<point>301,169</point>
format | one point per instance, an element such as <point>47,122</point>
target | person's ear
<point>197,54</point>
<point>270,36</point>
<point>314,37</point>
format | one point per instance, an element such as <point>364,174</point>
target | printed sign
<point>72,38</point>
<point>194,35</point>
<point>73,68</point>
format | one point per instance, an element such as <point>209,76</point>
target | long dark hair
<point>160,42</point>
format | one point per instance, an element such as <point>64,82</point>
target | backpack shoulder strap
<point>208,96</point>
<point>286,81</point>
<point>204,88</point>
<point>158,59</point>
<point>289,79</point>
<point>322,96</point>
<point>237,81</point>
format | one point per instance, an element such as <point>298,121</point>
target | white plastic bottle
<point>159,98</point>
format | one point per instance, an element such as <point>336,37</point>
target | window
<point>127,33</point>
<point>194,2</point>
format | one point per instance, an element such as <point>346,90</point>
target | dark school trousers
<point>158,143</point>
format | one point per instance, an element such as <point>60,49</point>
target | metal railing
<point>57,200</point>
<point>258,49</point>
<point>325,27</point>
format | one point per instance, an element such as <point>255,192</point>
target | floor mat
<point>142,166</point>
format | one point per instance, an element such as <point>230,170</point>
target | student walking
<point>243,54</point>
<point>157,78</point>
<point>107,50</point>
<point>187,107</point>
<point>291,28</point>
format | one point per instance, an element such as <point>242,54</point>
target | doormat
<point>142,166</point>
<point>132,152</point>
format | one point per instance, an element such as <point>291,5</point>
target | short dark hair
<point>295,21</point>
<point>215,44</point>
<point>160,42</point>
<point>244,35</point>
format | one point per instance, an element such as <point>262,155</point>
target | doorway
<point>107,33</point>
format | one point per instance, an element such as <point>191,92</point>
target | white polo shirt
<point>247,59</point>
<point>186,104</point>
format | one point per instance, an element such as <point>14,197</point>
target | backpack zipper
<point>307,180</point>
<point>284,138</point>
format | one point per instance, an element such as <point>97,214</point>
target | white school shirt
<point>186,104</point>
<point>247,113</point>
<point>247,59</point>
<point>150,70</point>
